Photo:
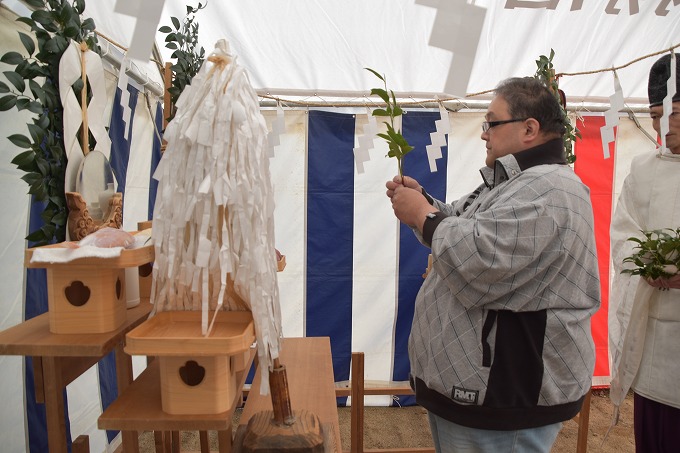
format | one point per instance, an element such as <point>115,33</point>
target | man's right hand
<point>665,283</point>
<point>397,181</point>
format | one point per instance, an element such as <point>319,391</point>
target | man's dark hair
<point>528,97</point>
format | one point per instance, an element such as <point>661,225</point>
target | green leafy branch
<point>182,38</point>
<point>545,72</point>
<point>54,23</point>
<point>658,254</point>
<point>398,146</point>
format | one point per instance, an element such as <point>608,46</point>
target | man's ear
<point>532,128</point>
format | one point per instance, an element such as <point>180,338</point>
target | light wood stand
<point>59,359</point>
<point>140,408</point>
<point>198,373</point>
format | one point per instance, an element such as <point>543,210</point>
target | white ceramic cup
<point>132,286</point>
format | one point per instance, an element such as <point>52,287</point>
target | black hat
<point>658,78</point>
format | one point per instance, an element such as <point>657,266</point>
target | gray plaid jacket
<point>501,332</point>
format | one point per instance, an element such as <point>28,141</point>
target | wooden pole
<point>167,104</point>
<point>278,384</point>
<point>81,444</point>
<point>281,430</point>
<point>357,414</point>
<point>85,142</point>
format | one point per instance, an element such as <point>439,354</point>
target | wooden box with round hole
<point>197,373</point>
<point>83,300</point>
<point>87,295</point>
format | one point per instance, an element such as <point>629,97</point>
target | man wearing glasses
<point>501,349</point>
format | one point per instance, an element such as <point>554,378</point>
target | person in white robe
<point>644,314</point>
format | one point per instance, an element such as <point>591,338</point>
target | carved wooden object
<point>80,223</point>
<point>282,430</point>
<point>264,436</point>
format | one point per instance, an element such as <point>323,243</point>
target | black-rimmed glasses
<point>486,125</point>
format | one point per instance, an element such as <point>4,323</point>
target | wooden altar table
<point>58,359</point>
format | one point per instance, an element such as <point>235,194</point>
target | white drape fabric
<point>213,225</point>
<point>650,200</point>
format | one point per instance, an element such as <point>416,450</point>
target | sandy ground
<point>407,427</point>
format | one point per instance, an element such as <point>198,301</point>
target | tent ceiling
<point>323,45</point>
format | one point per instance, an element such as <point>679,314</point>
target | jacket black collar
<point>548,153</point>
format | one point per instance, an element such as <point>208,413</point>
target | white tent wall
<point>324,45</point>
<point>13,212</point>
<point>289,178</point>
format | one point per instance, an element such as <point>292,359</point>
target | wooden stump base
<point>263,435</point>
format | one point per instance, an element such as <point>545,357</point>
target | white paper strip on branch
<point>213,225</point>
<point>124,95</point>
<point>671,88</point>
<point>70,70</point>
<point>148,14</point>
<point>365,142</point>
<point>442,128</point>
<point>611,117</point>
<point>278,129</point>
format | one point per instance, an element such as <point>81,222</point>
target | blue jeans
<point>449,437</point>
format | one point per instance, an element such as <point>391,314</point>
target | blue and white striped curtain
<point>352,270</point>
<point>331,223</point>
<point>36,304</point>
